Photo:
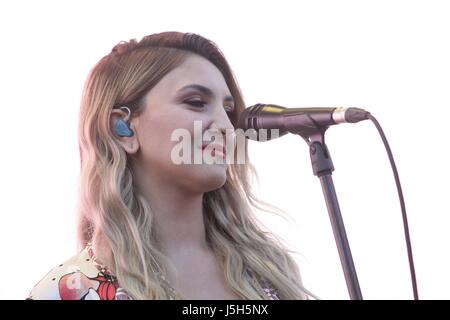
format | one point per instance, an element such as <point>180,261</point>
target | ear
<point>130,144</point>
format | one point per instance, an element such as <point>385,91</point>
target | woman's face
<point>171,107</point>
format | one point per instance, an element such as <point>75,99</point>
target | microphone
<point>302,121</point>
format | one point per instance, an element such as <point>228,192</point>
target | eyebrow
<point>205,90</point>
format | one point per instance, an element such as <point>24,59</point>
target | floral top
<point>82,278</point>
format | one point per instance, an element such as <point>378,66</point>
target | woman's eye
<point>196,103</point>
<point>201,104</point>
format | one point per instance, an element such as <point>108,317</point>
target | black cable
<point>402,204</point>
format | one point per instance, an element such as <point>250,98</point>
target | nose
<point>221,122</point>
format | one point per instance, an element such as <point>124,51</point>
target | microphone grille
<point>249,117</point>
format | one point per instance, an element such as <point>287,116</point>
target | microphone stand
<point>323,167</point>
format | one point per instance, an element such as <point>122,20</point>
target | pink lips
<point>214,147</point>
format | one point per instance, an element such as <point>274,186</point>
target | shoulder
<point>75,279</point>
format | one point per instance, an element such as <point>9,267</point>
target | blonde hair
<point>110,207</point>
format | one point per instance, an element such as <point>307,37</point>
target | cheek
<point>156,152</point>
<point>157,148</point>
<point>156,139</point>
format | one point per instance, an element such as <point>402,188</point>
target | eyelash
<point>200,103</point>
<point>196,103</point>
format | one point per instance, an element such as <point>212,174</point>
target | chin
<point>215,179</point>
<point>208,177</point>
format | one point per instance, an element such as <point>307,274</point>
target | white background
<point>389,57</point>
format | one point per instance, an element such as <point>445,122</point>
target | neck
<point>178,214</point>
<point>178,221</point>
<point>178,224</point>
